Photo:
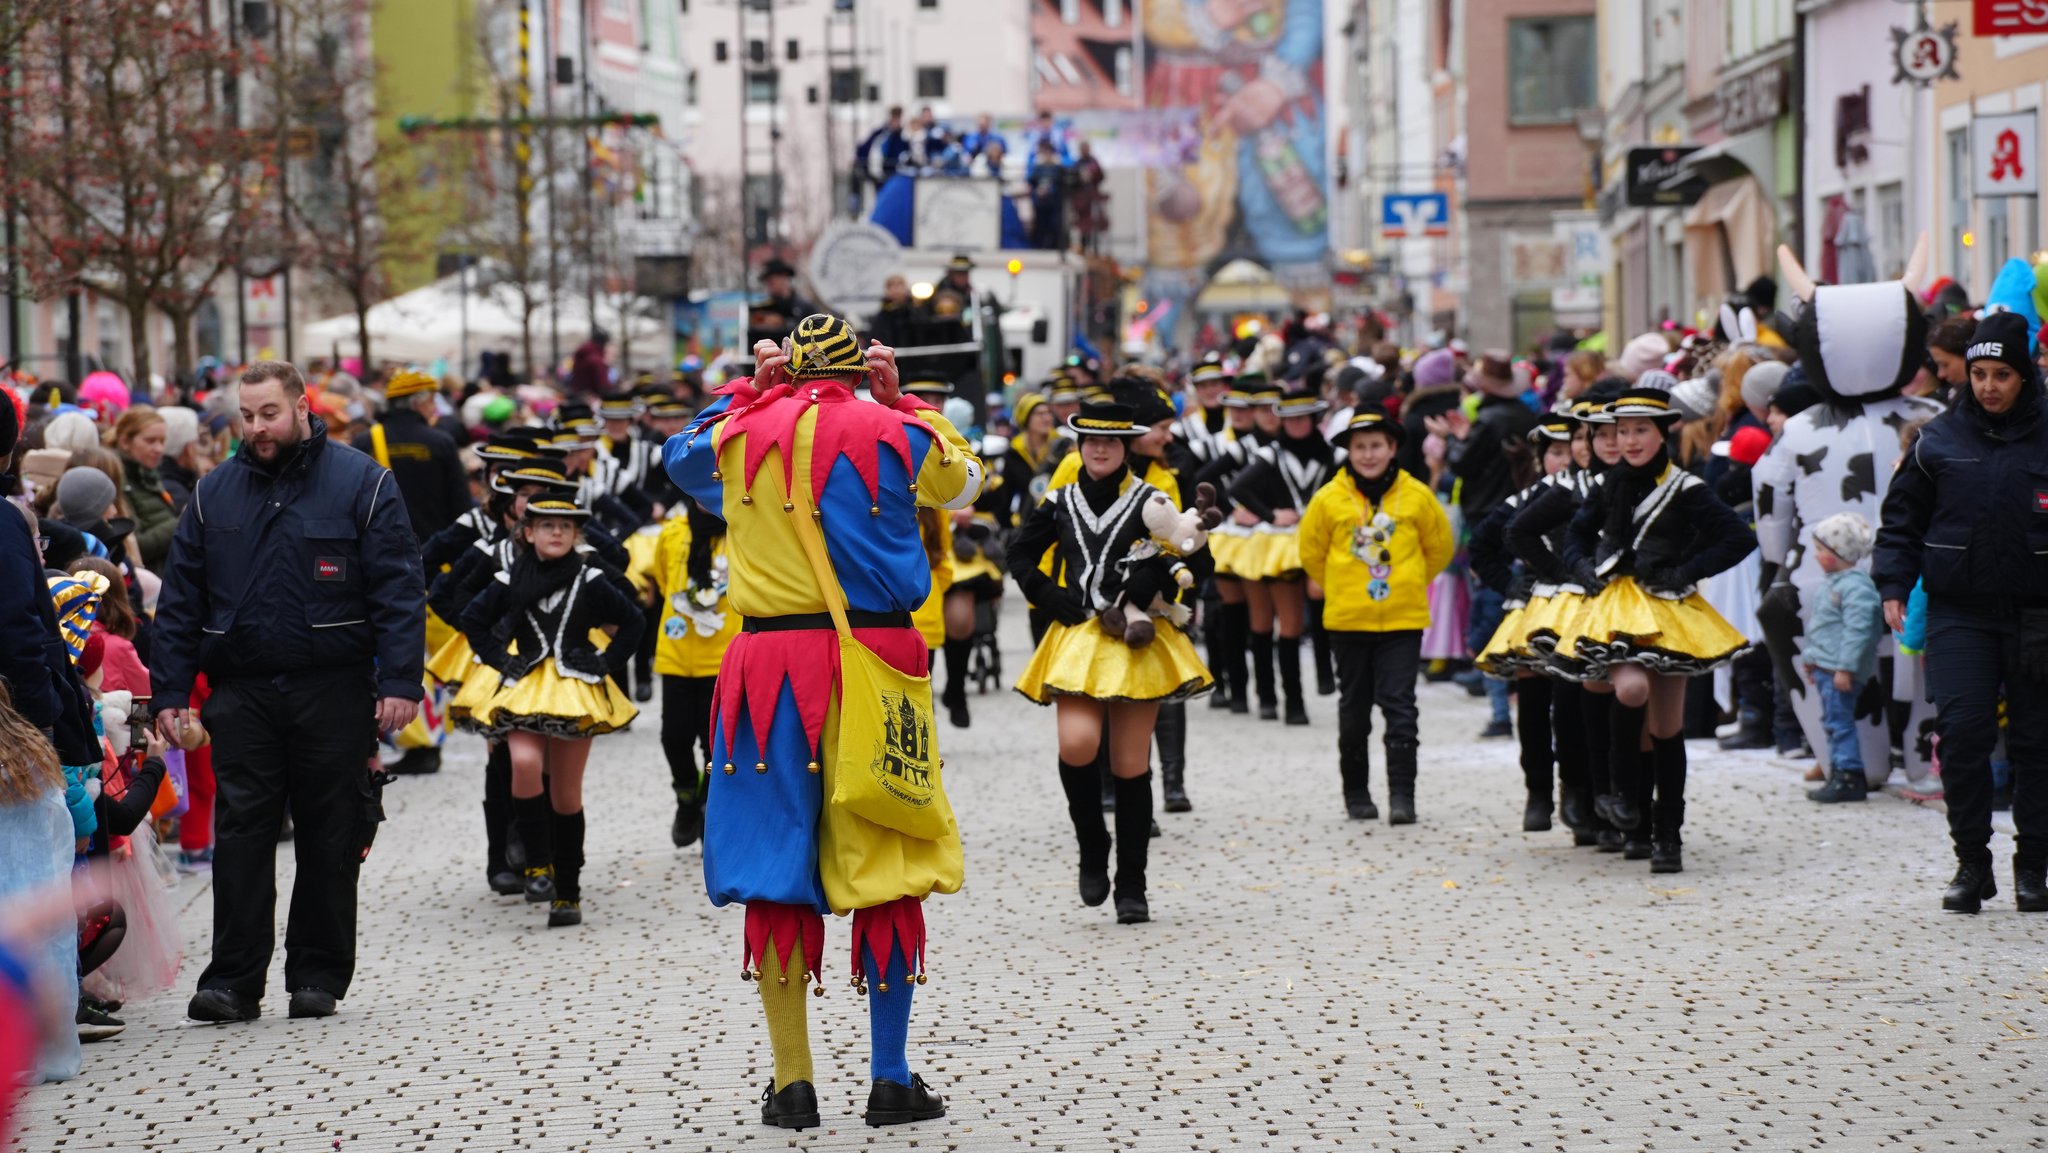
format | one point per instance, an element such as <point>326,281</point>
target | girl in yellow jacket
<point>1373,538</point>
<point>696,626</point>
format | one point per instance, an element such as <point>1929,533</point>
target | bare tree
<point>127,174</point>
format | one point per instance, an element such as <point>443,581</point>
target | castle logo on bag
<point>903,763</point>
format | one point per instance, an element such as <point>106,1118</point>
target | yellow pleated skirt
<point>452,662</point>
<point>1083,660</point>
<point>546,702</point>
<point>1625,624</point>
<point>478,686</point>
<point>1227,545</point>
<point>1271,554</point>
<point>1508,652</point>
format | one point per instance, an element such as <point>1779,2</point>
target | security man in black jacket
<point>294,583</point>
<point>1967,513</point>
<point>425,460</point>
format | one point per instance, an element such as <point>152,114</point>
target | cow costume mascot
<point>1859,345</point>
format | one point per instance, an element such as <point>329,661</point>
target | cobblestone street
<point>1308,982</point>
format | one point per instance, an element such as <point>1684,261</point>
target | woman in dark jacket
<point>1967,513</point>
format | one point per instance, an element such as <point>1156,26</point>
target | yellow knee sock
<point>782,1000</point>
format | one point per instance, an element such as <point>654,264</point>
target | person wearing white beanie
<point>71,431</point>
<point>185,459</point>
<point>1761,383</point>
<point>1642,354</point>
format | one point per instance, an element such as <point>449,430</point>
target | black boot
<point>1667,811</point>
<point>1262,676</point>
<point>1842,785</point>
<point>567,906</point>
<point>1400,784</point>
<point>1595,716</point>
<point>1133,845</point>
<point>2030,886</point>
<point>689,823</point>
<point>1667,857</point>
<point>1971,888</point>
<point>1532,714</point>
<point>1171,736</point>
<point>501,856</point>
<point>957,655</point>
<point>1625,768</point>
<point>1216,631</point>
<point>1082,785</point>
<point>1287,654</point>
<point>1319,651</point>
<point>532,816</point>
<point>1239,620</point>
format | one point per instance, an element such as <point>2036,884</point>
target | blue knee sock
<point>889,1019</point>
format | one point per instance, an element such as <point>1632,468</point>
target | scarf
<point>1100,494</point>
<point>1627,485</point>
<point>1374,490</point>
<point>1311,448</point>
<point>535,580</point>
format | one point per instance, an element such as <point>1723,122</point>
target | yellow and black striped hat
<point>555,506</point>
<point>1649,403</point>
<point>824,345</point>
<point>1104,418</point>
<point>1371,420</point>
<point>542,472</point>
<point>1556,426</point>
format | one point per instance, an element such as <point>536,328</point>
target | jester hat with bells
<point>1859,342</point>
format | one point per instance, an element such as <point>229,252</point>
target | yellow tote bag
<point>882,746</point>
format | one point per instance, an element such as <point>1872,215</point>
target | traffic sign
<point>2005,154</point>
<point>1406,215</point>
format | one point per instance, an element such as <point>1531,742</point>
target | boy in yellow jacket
<point>1372,540</point>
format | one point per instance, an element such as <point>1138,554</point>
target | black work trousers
<point>1377,669</point>
<point>686,728</point>
<point>302,740</point>
<point>1971,657</point>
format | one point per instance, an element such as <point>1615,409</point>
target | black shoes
<point>1536,814</point>
<point>96,1021</point>
<point>563,913</point>
<point>416,763</point>
<point>1094,886</point>
<point>1583,837</point>
<point>892,1104</point>
<point>1609,840</point>
<point>796,1107</point>
<point>1129,911</point>
<point>1842,786</point>
<point>1173,785</point>
<point>1361,809</point>
<point>1744,739</point>
<point>1571,810</point>
<point>689,824</point>
<point>1971,888</point>
<point>956,712</point>
<point>507,883</point>
<point>220,1006</point>
<point>2030,887</point>
<point>1497,730</point>
<point>1636,849</point>
<point>540,884</point>
<point>1239,705</point>
<point>1618,810</point>
<point>1401,808</point>
<point>1666,857</point>
<point>311,1002</point>
<point>1297,713</point>
<point>1268,712</point>
<point>644,690</point>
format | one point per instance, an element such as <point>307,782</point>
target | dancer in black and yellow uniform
<point>1252,410</point>
<point>1271,494</point>
<point>695,629</point>
<point>1505,655</point>
<point>517,474</point>
<point>1022,474</point>
<point>532,626</point>
<point>1645,537</point>
<point>1581,714</point>
<point>1097,680</point>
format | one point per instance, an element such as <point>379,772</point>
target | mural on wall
<point>1258,185</point>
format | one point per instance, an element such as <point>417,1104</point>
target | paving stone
<point>1308,982</point>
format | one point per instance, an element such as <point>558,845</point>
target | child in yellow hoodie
<point>1372,539</point>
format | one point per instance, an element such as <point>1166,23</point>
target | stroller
<point>978,565</point>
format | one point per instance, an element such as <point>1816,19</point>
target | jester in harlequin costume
<point>1859,346</point>
<point>772,838</point>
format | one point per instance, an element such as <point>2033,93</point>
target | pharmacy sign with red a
<point>2005,154</point>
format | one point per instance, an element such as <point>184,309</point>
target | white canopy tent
<point>429,323</point>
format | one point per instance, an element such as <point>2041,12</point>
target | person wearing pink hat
<point>103,394</point>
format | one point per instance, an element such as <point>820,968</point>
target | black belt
<point>855,619</point>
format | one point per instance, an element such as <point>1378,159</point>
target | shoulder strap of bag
<point>378,447</point>
<point>813,540</point>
